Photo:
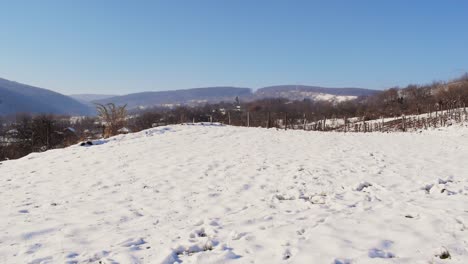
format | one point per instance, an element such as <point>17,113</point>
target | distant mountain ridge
<point>88,99</point>
<point>198,96</point>
<point>317,89</point>
<point>17,97</point>
<point>194,96</point>
<point>91,97</point>
<point>314,93</point>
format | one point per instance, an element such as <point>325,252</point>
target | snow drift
<point>218,194</point>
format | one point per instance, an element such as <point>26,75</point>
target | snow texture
<point>220,194</point>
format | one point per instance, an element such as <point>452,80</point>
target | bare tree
<point>114,118</point>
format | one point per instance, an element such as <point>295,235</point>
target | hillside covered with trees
<point>394,109</point>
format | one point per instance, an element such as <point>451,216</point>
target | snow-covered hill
<point>313,93</point>
<point>217,194</point>
<point>201,96</point>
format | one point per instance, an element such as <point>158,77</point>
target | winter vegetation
<point>113,118</point>
<point>414,107</point>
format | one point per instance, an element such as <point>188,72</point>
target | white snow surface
<point>220,194</point>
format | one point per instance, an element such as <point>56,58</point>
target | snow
<point>333,98</point>
<point>220,194</point>
<point>315,96</point>
<point>124,130</point>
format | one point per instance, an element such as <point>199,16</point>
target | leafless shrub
<point>114,118</point>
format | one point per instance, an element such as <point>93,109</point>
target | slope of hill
<point>218,94</point>
<point>91,97</point>
<point>216,194</point>
<point>16,97</point>
<point>88,99</point>
<point>179,97</point>
<point>300,92</point>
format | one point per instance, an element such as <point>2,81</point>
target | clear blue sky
<point>119,46</point>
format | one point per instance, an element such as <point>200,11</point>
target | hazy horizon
<point>107,47</point>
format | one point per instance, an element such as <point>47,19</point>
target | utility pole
<point>47,136</point>
<point>269,120</point>
<point>305,121</point>
<point>285,121</point>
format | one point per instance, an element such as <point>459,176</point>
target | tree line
<point>438,98</point>
<point>24,133</point>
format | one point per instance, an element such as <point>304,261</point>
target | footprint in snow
<point>379,253</point>
<point>382,251</point>
<point>198,233</point>
<point>237,236</point>
<point>98,257</point>
<point>342,261</point>
<point>133,243</point>
<point>41,260</point>
<point>29,235</point>
<point>33,249</point>
<point>72,255</point>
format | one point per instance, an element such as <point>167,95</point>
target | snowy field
<point>216,194</point>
